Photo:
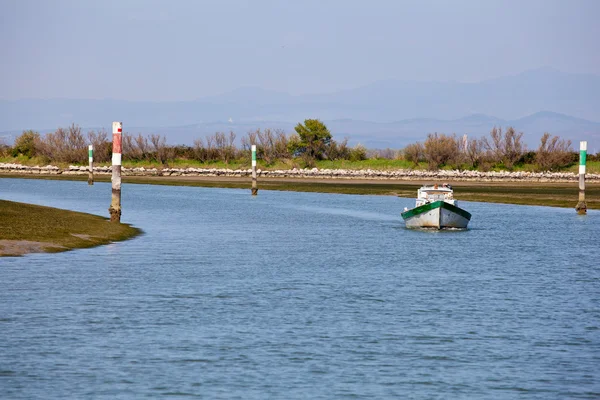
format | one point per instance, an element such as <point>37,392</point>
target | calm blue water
<point>299,295</point>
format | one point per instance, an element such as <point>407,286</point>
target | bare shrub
<point>271,145</point>
<point>65,145</point>
<point>553,153</point>
<point>136,148</point>
<point>102,146</point>
<point>143,147</point>
<point>281,144</point>
<point>414,153</point>
<point>5,149</point>
<point>388,154</point>
<point>383,154</point>
<point>162,153</point>
<point>181,152</point>
<point>338,150</point>
<point>266,145</point>
<point>200,152</point>
<point>441,150</point>
<point>129,147</point>
<point>504,147</point>
<point>250,139</point>
<point>152,147</point>
<point>474,153</point>
<point>513,147</point>
<point>246,146</point>
<point>308,160</point>
<point>358,153</point>
<point>224,147</point>
<point>220,142</point>
<point>211,150</point>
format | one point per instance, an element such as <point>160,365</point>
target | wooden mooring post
<point>581,206</point>
<point>115,204</point>
<point>254,184</point>
<point>91,170</point>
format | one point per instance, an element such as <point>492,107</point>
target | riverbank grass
<point>28,228</point>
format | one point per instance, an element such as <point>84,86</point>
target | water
<point>301,295</point>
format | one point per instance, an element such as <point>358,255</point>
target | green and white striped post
<point>581,206</point>
<point>254,184</point>
<point>91,169</point>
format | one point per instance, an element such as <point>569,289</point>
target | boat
<point>436,209</point>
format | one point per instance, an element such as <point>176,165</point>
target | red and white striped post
<point>254,184</point>
<point>115,204</point>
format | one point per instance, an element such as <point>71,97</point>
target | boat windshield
<point>437,196</point>
<point>431,194</point>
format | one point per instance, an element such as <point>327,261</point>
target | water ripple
<point>301,295</point>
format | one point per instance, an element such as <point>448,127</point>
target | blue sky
<point>182,50</point>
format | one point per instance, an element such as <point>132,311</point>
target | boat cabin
<point>430,193</point>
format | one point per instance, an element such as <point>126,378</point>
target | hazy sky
<point>187,49</point>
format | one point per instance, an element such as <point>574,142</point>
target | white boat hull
<point>437,215</point>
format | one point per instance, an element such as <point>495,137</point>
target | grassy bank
<point>522,193</point>
<point>27,228</point>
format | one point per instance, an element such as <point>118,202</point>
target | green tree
<point>26,144</point>
<point>314,138</point>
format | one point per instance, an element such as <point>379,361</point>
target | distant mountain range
<point>400,133</point>
<point>384,114</point>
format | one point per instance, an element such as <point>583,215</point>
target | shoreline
<point>29,228</point>
<point>307,173</point>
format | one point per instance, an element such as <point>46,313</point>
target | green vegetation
<point>312,145</point>
<point>36,228</point>
<point>371,163</point>
<point>501,150</point>
<point>312,141</point>
<point>593,167</point>
<point>26,144</point>
<point>28,228</point>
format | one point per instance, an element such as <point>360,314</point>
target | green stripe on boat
<point>433,206</point>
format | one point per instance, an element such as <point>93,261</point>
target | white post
<point>115,204</point>
<point>254,184</point>
<point>581,205</point>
